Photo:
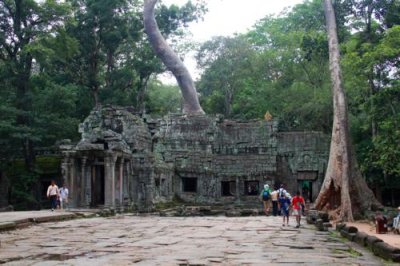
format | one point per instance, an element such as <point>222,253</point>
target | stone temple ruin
<point>124,160</point>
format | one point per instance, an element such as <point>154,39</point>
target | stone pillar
<point>126,180</point>
<point>237,195</point>
<point>71,184</point>
<point>83,180</point>
<point>88,187</point>
<point>109,180</point>
<point>65,167</point>
<point>121,183</point>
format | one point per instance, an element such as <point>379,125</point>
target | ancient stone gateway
<point>124,160</point>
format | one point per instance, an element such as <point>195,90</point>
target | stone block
<point>346,234</point>
<point>319,224</point>
<point>350,229</point>
<point>7,226</point>
<point>371,240</point>
<point>324,216</point>
<point>232,213</point>
<point>312,216</point>
<point>386,251</point>
<point>340,226</point>
<point>361,238</point>
<point>327,226</point>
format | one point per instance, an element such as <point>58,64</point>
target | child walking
<point>284,205</point>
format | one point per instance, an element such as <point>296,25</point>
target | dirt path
<point>390,238</point>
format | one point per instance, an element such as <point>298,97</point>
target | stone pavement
<point>153,240</point>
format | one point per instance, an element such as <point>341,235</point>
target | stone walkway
<point>153,240</point>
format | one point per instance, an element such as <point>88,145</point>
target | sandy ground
<point>390,238</point>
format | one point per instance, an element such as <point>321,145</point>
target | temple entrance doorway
<point>306,189</point>
<point>98,183</point>
<point>306,182</point>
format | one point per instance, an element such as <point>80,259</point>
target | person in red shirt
<point>297,202</point>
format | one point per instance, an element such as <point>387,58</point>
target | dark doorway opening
<point>189,184</point>
<point>98,183</point>
<point>228,188</point>
<point>251,188</point>
<point>306,190</point>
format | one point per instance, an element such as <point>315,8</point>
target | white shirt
<point>64,193</point>
<point>52,190</point>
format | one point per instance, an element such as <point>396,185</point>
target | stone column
<point>83,180</point>
<point>71,184</point>
<point>237,195</point>
<point>121,183</point>
<point>65,165</point>
<point>109,182</point>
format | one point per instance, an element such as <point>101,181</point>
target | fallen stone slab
<point>323,216</point>
<point>371,240</point>
<point>360,238</point>
<point>346,234</point>
<point>7,226</point>
<point>350,229</point>
<point>53,218</point>
<point>340,226</point>
<point>386,251</point>
<point>23,225</point>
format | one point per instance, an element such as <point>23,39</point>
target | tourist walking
<point>297,203</point>
<point>281,191</point>
<point>275,203</point>
<point>284,205</point>
<point>265,196</point>
<point>64,193</point>
<point>52,194</point>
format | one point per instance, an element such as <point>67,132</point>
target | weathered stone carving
<point>126,161</point>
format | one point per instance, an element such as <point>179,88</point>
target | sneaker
<point>297,226</point>
<point>52,210</point>
<point>283,224</point>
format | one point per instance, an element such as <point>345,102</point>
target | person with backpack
<point>281,191</point>
<point>297,203</point>
<point>284,204</point>
<point>265,196</point>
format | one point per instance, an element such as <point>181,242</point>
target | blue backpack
<point>265,195</point>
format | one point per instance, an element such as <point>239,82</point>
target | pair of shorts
<point>284,212</point>
<point>296,212</point>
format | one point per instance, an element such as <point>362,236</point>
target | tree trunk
<point>343,187</point>
<point>3,190</point>
<point>24,104</point>
<point>171,60</point>
<point>141,93</point>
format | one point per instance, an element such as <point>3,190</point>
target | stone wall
<point>202,159</point>
<point>214,151</point>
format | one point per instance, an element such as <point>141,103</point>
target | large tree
<point>172,61</point>
<point>22,25</point>
<point>343,189</point>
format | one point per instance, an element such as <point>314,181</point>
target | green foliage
<point>163,99</point>
<point>22,182</point>
<point>281,59</point>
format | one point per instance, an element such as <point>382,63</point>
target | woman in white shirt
<point>52,194</point>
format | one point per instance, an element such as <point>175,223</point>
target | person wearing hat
<point>265,196</point>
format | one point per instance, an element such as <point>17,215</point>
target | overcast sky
<point>226,17</point>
